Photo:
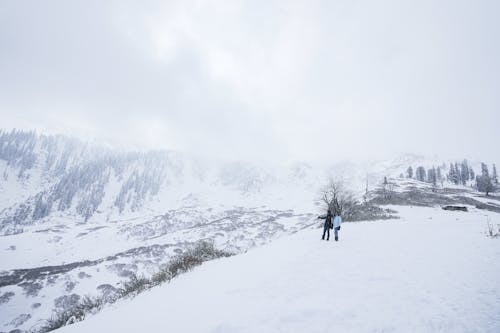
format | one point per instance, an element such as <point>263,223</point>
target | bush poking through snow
<point>77,313</point>
<point>202,251</point>
<point>134,286</point>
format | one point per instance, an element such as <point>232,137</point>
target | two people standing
<point>331,222</point>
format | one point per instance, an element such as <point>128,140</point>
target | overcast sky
<point>261,80</point>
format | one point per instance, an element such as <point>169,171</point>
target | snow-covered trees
<point>458,173</point>
<point>18,149</point>
<point>420,174</point>
<point>439,175</point>
<point>494,175</point>
<point>472,174</point>
<point>409,172</point>
<point>77,175</point>
<point>484,170</point>
<point>432,177</point>
<point>452,174</point>
<point>141,185</point>
<point>484,183</point>
<point>464,172</point>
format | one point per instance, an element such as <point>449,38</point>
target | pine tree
<point>458,174</point>
<point>472,174</point>
<point>484,184</point>
<point>484,170</point>
<point>495,176</point>
<point>432,178</point>
<point>409,172</point>
<point>420,174</point>
<point>453,174</point>
<point>464,172</point>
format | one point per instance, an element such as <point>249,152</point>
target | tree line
<point>459,174</point>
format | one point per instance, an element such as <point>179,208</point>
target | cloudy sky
<point>263,80</point>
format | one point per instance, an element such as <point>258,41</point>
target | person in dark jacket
<point>327,225</point>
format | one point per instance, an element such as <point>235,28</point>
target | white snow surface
<point>430,271</point>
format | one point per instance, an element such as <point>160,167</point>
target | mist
<point>266,81</point>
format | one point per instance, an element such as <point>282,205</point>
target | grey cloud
<point>257,80</point>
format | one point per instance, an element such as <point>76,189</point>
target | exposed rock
<point>31,288</point>
<point>455,208</point>
<point>5,298</point>
<point>21,319</point>
<point>83,275</point>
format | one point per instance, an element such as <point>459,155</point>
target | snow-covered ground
<point>430,271</point>
<point>53,266</point>
<point>80,220</point>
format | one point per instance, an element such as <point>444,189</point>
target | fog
<point>257,80</point>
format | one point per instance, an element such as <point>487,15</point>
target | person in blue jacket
<point>337,221</point>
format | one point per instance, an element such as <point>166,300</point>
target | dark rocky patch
<point>5,298</point>
<point>51,273</point>
<point>96,228</point>
<point>46,231</point>
<point>51,280</point>
<point>415,196</point>
<point>31,288</point>
<point>455,208</point>
<point>83,275</point>
<point>477,204</point>
<point>412,197</point>
<point>370,212</point>
<point>19,320</point>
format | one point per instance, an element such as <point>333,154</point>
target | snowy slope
<point>79,219</point>
<point>431,271</point>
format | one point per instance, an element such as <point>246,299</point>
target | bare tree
<point>390,190</point>
<point>387,189</point>
<point>338,198</point>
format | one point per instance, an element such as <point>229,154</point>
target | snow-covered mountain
<point>80,219</point>
<point>46,176</point>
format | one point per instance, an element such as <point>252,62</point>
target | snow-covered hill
<point>43,177</point>
<point>431,271</point>
<point>80,219</point>
<point>46,177</point>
